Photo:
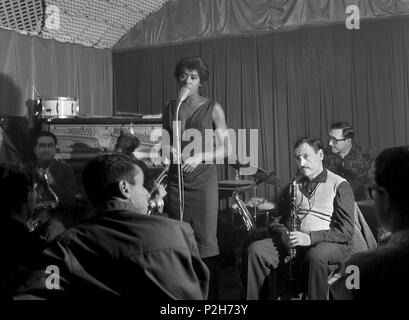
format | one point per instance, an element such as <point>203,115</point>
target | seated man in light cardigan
<point>324,203</point>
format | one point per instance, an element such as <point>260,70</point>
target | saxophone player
<point>61,176</point>
<point>325,208</point>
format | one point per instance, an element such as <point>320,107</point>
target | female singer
<point>199,179</point>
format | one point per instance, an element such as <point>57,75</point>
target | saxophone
<point>46,199</point>
<point>294,225</point>
<point>248,220</point>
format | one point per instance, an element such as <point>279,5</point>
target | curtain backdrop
<point>56,70</point>
<point>192,20</point>
<point>288,85</point>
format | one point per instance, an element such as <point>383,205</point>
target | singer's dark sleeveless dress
<point>200,186</point>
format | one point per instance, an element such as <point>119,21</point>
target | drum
<point>61,107</point>
<point>265,210</point>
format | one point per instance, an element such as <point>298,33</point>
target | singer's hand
<point>299,239</point>
<point>191,163</point>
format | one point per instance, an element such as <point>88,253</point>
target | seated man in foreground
<point>120,251</point>
<point>383,273</point>
<point>17,244</point>
<point>324,205</point>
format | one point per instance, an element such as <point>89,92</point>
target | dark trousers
<point>213,264</point>
<point>312,268</point>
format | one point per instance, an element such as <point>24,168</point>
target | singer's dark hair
<point>193,63</point>
<point>315,143</point>
<point>347,131</point>
<point>102,174</point>
<point>44,134</point>
<point>392,173</point>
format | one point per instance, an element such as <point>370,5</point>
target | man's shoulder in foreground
<point>138,232</point>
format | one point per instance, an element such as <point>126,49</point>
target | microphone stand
<point>183,94</point>
<point>179,162</point>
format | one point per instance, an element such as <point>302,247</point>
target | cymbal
<point>234,184</point>
<point>262,174</point>
<point>272,179</point>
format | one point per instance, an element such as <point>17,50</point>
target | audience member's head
<point>391,191</point>
<point>115,177</point>
<point>309,155</point>
<point>45,147</point>
<point>16,193</point>
<point>341,135</point>
<point>126,143</point>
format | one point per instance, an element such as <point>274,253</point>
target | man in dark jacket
<point>119,251</point>
<point>17,244</point>
<point>383,273</point>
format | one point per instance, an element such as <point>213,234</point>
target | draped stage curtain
<point>287,85</point>
<point>192,20</point>
<point>56,70</point>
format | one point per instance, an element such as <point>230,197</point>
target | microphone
<point>183,93</point>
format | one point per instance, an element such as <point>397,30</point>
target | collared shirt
<point>342,221</point>
<point>357,167</point>
<point>308,186</point>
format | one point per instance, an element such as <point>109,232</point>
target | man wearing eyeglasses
<point>348,160</point>
<point>383,273</point>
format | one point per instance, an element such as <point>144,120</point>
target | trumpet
<point>159,182</point>
<point>155,205</point>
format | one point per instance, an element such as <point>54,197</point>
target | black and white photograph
<point>204,158</point>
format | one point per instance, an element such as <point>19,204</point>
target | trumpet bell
<point>155,205</point>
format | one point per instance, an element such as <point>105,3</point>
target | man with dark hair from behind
<point>127,143</point>
<point>17,244</point>
<point>120,251</point>
<point>347,159</point>
<point>383,273</point>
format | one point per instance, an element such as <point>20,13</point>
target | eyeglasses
<point>335,140</point>
<point>372,191</point>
